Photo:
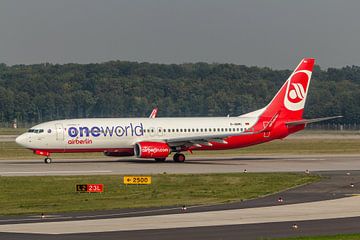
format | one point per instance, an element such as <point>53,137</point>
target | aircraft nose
<point>21,139</point>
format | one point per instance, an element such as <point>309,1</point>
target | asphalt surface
<point>247,231</point>
<point>194,164</point>
<point>333,186</point>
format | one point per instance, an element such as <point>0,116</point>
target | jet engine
<point>151,150</point>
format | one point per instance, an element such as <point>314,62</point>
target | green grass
<point>335,237</point>
<point>12,131</point>
<point>49,194</point>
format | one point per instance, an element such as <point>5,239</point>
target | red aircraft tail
<point>289,102</point>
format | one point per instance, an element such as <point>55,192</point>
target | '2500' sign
<point>137,180</point>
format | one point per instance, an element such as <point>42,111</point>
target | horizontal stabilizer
<point>307,121</point>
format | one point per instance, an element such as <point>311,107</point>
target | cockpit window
<point>36,130</point>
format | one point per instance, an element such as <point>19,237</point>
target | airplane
<point>157,138</point>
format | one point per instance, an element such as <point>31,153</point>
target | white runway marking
<point>55,172</point>
<point>195,164</point>
<point>329,209</point>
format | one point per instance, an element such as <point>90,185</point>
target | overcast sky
<point>274,33</point>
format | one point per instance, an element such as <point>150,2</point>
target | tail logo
<point>296,90</point>
<point>296,93</point>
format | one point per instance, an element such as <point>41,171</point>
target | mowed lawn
<point>49,194</point>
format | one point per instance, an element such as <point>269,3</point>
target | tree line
<point>42,92</point>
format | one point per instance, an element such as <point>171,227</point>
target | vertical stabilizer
<point>290,100</point>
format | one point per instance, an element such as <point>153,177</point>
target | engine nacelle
<point>151,150</point>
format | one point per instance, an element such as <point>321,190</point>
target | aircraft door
<point>59,132</point>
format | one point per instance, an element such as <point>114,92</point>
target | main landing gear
<point>47,160</point>
<point>179,157</point>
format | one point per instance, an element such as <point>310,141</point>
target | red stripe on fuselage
<point>83,150</point>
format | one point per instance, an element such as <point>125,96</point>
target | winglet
<point>153,113</point>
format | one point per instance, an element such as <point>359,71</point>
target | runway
<point>194,164</point>
<point>328,207</point>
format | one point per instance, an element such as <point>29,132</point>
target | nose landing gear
<point>45,153</point>
<point>47,160</point>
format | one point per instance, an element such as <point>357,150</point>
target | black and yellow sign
<point>137,180</point>
<point>90,188</point>
<point>81,187</point>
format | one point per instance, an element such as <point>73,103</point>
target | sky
<point>273,33</point>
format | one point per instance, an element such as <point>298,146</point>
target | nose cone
<point>21,140</point>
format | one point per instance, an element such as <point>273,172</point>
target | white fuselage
<point>105,133</point>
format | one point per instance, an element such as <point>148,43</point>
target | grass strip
<point>50,194</point>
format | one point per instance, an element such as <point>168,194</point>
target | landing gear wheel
<point>179,157</point>
<point>47,160</point>
<point>160,159</point>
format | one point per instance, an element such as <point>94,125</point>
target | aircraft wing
<point>218,138</point>
<point>205,139</point>
<point>307,121</point>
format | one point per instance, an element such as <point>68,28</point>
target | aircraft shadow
<point>208,161</point>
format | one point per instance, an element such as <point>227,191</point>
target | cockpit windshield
<point>32,130</point>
